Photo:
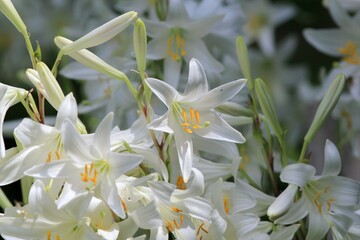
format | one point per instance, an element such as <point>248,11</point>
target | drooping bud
<point>101,34</point>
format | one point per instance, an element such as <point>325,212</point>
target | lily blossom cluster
<point>195,162</point>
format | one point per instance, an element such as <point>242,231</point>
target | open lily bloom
<point>338,42</point>
<point>42,219</point>
<point>174,211</point>
<point>90,166</point>
<point>8,96</point>
<point>262,19</point>
<point>40,143</point>
<point>180,38</point>
<point>328,200</point>
<point>193,112</point>
<point>342,42</point>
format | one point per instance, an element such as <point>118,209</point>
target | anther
<point>180,184</point>
<point>85,176</point>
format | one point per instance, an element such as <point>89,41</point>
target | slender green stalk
<point>26,183</point>
<point>249,179</point>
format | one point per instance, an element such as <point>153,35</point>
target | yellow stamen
<point>48,236</point>
<point>192,114</point>
<point>226,204</point>
<point>123,204</point>
<point>86,175</point>
<point>203,228</point>
<point>57,154</point>
<point>192,121</point>
<point>350,53</point>
<point>317,202</point>
<point>180,184</point>
<point>347,117</point>
<point>197,116</point>
<point>183,51</point>
<point>169,226</point>
<point>176,45</point>
<point>183,113</point>
<point>188,130</point>
<point>329,202</point>
<point>48,159</point>
<point>176,224</point>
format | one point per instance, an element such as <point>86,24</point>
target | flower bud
<point>162,9</point>
<point>101,34</point>
<point>243,58</point>
<point>8,9</point>
<point>90,60</point>
<point>282,203</point>
<point>140,44</point>
<point>267,106</point>
<point>326,106</point>
<point>46,84</point>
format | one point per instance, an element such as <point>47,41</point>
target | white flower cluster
<point>183,171</point>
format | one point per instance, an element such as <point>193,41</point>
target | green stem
<point>4,201</point>
<point>56,63</point>
<point>30,49</point>
<point>249,179</point>
<point>26,183</point>
<point>303,150</point>
<point>267,158</point>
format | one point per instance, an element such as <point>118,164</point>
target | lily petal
<point>317,226</point>
<point>67,109</point>
<point>329,40</point>
<point>342,18</point>
<point>297,212</point>
<point>197,84</point>
<point>102,134</point>
<point>219,129</point>
<point>332,164</point>
<point>111,196</point>
<point>161,124</point>
<point>157,48</point>
<point>172,71</point>
<point>219,94</point>
<point>163,91</point>
<point>196,48</point>
<point>298,174</point>
<point>184,148</point>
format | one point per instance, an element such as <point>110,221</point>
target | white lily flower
<point>328,200</point>
<point>37,143</point>
<point>262,19</point>
<point>102,220</point>
<point>9,96</point>
<point>172,212</point>
<point>192,113</point>
<point>339,42</point>
<point>42,219</point>
<point>137,140</point>
<point>342,42</point>
<point>180,38</point>
<point>91,165</point>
